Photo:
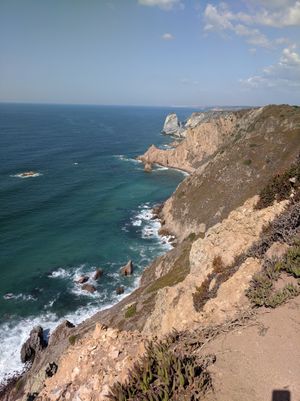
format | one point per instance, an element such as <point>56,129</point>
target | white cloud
<point>167,36</point>
<point>285,73</point>
<point>222,19</point>
<point>163,4</point>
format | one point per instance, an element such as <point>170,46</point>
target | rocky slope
<point>221,267</point>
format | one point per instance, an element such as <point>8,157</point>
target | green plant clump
<point>162,375</point>
<point>261,291</point>
<point>280,186</point>
<point>72,339</point>
<point>130,311</point>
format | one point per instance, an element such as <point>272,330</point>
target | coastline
<point>84,314</point>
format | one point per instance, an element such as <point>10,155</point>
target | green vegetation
<point>247,162</point>
<point>130,311</point>
<point>180,269</point>
<point>163,374</point>
<point>262,291</point>
<point>202,294</point>
<point>72,339</point>
<point>280,186</point>
<point>291,262</point>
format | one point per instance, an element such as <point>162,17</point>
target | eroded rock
<point>98,273</point>
<point>34,344</point>
<point>127,270</point>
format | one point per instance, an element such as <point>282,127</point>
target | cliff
<point>237,222</point>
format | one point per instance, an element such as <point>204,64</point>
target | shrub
<point>218,265</point>
<point>280,186</point>
<point>72,339</point>
<point>261,291</point>
<point>201,296</point>
<point>247,162</point>
<point>130,311</point>
<point>161,375</point>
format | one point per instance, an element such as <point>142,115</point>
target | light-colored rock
<point>87,370</point>
<point>148,167</point>
<point>172,125</point>
<point>227,239</point>
<point>127,270</point>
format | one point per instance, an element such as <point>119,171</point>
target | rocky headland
<point>217,317</point>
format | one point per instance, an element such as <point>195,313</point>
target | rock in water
<point>34,344</point>
<point>82,279</point>
<point>127,270</point>
<point>98,273</point>
<point>120,290</point>
<point>89,288</point>
<point>172,125</point>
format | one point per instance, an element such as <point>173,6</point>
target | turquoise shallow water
<point>88,207</point>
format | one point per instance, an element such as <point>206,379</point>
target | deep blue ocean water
<point>89,206</point>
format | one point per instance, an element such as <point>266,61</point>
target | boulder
<point>34,344</point>
<point>172,125</point>
<point>89,288</point>
<point>120,290</point>
<point>98,273</point>
<point>82,280</point>
<point>61,332</point>
<point>127,270</point>
<point>276,251</point>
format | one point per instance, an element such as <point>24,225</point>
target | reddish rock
<point>98,273</point>
<point>89,288</point>
<point>127,270</point>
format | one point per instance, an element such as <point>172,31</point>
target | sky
<point>150,52</point>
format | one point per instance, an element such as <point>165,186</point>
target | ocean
<point>88,206</point>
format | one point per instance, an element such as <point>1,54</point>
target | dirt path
<point>255,360</point>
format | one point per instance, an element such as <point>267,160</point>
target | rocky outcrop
<point>98,273</point>
<point>255,146</point>
<point>228,240</point>
<point>87,370</point>
<point>33,345</point>
<point>172,125</point>
<point>127,270</point>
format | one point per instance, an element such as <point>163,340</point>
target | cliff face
<point>222,243</point>
<point>230,160</point>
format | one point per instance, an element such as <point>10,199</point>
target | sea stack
<point>172,125</point>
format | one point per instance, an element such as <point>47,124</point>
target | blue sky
<point>150,52</point>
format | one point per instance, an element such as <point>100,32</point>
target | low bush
<point>130,311</point>
<point>163,374</point>
<point>72,339</point>
<point>261,291</point>
<point>280,186</point>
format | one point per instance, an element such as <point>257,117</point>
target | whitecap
<point>128,159</point>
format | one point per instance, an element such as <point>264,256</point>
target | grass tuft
<point>130,311</point>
